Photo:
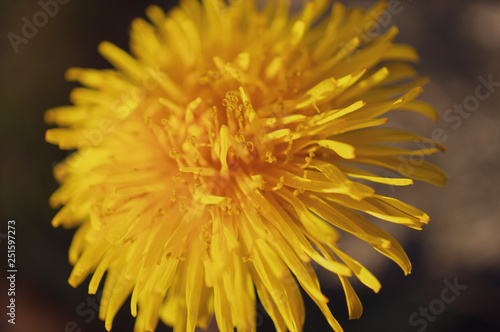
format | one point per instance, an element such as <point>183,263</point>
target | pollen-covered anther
<point>279,184</point>
<point>270,158</point>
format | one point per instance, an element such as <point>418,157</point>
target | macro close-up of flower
<point>216,162</point>
<point>250,166</point>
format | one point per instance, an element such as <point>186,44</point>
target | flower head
<point>216,163</point>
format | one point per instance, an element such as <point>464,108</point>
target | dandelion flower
<point>219,160</point>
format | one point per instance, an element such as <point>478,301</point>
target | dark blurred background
<point>458,41</point>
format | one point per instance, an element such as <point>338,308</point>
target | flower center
<point>216,143</point>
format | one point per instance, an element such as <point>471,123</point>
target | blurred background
<point>458,41</point>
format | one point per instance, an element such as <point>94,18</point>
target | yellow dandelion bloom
<point>216,164</point>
